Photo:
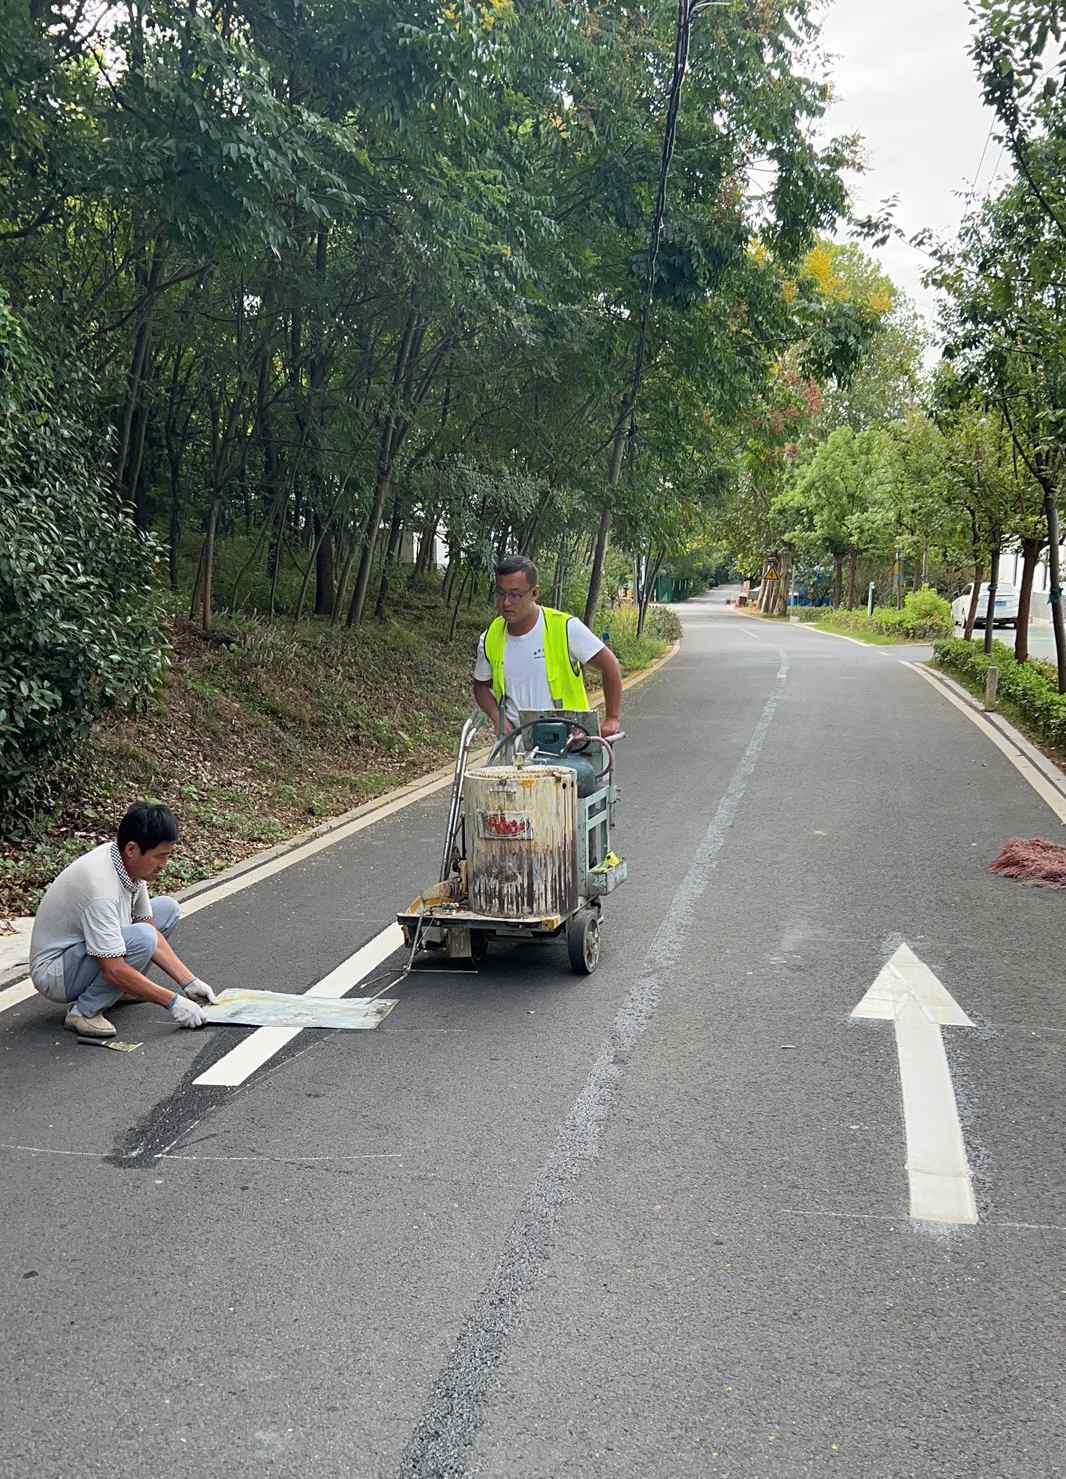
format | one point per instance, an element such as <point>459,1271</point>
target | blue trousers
<point>86,988</point>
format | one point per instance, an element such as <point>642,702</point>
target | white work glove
<point>200,991</point>
<point>186,1013</point>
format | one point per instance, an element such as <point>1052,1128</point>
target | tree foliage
<point>76,607</point>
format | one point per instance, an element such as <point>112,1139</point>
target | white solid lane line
<point>12,995</point>
<point>261,1045</point>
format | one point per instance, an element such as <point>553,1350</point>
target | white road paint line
<point>294,1159</point>
<point>261,1045</point>
<point>842,636</point>
<point>247,1056</point>
<point>803,626</point>
<point>351,971</point>
<point>881,1217</point>
<point>99,1155</point>
<point>52,1150</point>
<point>881,648</point>
<point>12,995</point>
<point>1022,764</point>
<point>907,994</point>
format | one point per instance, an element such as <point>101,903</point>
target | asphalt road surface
<point>655,1222</point>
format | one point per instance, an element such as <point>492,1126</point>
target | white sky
<point>902,78</point>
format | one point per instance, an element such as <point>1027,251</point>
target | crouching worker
<point>96,931</point>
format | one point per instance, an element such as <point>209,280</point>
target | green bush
<point>1030,687</point>
<point>620,624</point>
<point>924,614</point>
<point>76,611</point>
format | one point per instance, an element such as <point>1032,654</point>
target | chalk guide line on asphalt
<point>908,994</point>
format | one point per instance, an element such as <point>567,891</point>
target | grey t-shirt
<point>90,904</point>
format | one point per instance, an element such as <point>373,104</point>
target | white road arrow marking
<point>909,995</point>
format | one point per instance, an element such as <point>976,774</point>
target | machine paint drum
<point>521,831</point>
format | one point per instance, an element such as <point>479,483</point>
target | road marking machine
<point>527,851</point>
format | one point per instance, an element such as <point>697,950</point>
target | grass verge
<point>923,617</point>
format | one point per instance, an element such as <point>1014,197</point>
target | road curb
<point>387,803</point>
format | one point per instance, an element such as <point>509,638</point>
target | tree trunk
<point>783,584</point>
<point>975,597</point>
<point>562,562</point>
<point>174,530</point>
<point>647,589</point>
<point>147,283</point>
<point>427,545</point>
<point>1031,549</point>
<point>1054,557</point>
<point>207,573</point>
<point>196,582</point>
<point>993,581</point>
<point>853,563</point>
<point>342,583</point>
<point>765,583</point>
<point>603,532</point>
<point>370,539</point>
<point>391,551</point>
<point>458,602</point>
<point>135,490</point>
<point>324,568</point>
<point>391,435</point>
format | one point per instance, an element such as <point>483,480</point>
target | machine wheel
<point>479,945</point>
<point>583,941</point>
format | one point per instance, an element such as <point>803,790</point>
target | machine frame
<point>437,919</point>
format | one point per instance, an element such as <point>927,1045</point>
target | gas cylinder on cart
<point>521,841</point>
<point>553,743</point>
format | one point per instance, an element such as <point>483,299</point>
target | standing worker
<point>531,655</point>
<point>96,931</point>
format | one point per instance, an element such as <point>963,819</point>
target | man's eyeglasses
<point>502,597</point>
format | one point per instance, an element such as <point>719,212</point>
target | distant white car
<point>1005,611</point>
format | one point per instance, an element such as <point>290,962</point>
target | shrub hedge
<point>79,626</point>
<point>1031,687</point>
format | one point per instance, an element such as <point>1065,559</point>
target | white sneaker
<point>97,1026</point>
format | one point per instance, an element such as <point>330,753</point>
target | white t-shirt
<point>90,903</point>
<point>524,669</point>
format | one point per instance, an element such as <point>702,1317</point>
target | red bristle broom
<point>1033,861</point>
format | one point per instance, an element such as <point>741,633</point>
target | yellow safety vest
<point>565,682</point>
